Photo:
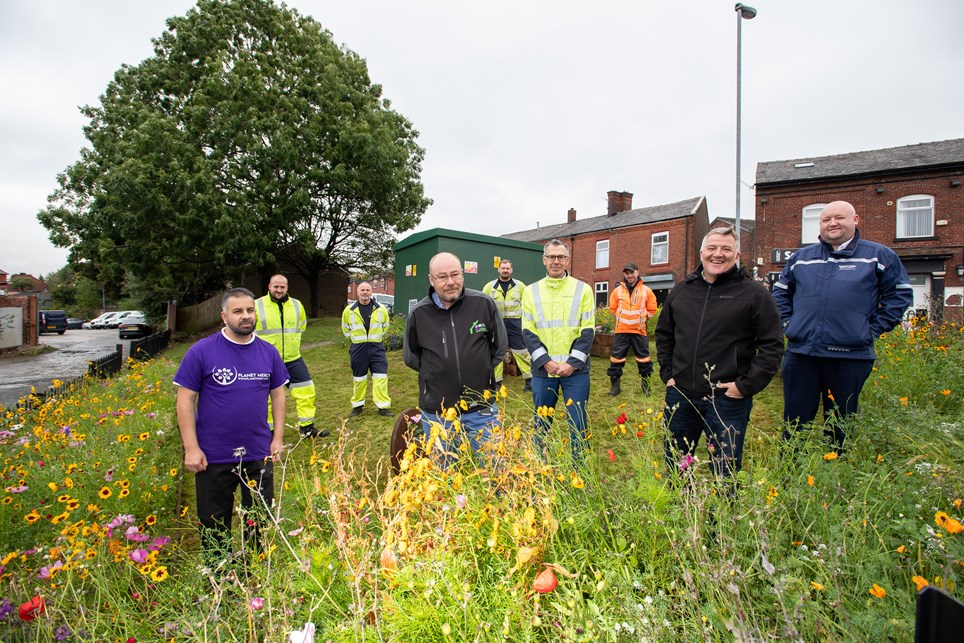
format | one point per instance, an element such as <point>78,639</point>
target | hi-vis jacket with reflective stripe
<point>353,326</point>
<point>632,309</point>
<point>281,325</point>
<point>509,302</point>
<point>557,323</point>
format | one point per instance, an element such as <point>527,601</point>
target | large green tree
<point>249,138</point>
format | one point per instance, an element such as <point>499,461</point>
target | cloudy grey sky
<point>530,107</point>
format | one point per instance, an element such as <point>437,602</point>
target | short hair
<point>277,275</point>
<point>363,281</point>
<point>504,260</point>
<point>555,242</point>
<point>234,292</point>
<point>726,231</point>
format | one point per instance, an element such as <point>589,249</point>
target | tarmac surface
<point>72,351</point>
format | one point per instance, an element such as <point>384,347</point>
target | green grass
<point>639,552</point>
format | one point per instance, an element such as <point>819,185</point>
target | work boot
<point>356,411</point>
<point>614,391</point>
<point>528,386</point>
<point>386,413</point>
<point>309,431</point>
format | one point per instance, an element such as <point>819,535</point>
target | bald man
<point>835,298</point>
<point>455,338</point>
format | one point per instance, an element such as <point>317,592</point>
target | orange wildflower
<point>877,591</point>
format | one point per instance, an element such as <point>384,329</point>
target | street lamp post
<point>743,12</point>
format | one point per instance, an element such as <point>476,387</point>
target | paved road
<point>73,350</point>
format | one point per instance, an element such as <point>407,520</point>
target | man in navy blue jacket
<point>835,298</point>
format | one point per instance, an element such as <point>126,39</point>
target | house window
<point>810,223</point>
<point>659,252</point>
<point>602,254</point>
<point>602,293</point>
<point>915,216</point>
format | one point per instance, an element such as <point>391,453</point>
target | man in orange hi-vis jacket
<point>632,302</point>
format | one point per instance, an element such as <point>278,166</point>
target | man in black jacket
<point>719,343</point>
<point>454,338</point>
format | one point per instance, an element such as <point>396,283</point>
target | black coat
<point>727,331</point>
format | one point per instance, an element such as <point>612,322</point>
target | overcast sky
<point>528,108</point>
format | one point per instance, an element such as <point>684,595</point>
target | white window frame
<point>659,245</point>
<point>902,233</point>
<point>602,253</point>
<point>810,223</point>
<point>602,288</point>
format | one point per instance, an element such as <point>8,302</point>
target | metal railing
<point>147,347</point>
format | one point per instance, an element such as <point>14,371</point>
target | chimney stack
<point>619,202</point>
<point>572,215</point>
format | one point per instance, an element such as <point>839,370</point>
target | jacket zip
<point>699,337</point>
<point>455,349</point>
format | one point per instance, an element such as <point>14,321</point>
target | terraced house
<point>909,198</point>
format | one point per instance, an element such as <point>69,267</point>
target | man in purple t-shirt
<point>223,385</point>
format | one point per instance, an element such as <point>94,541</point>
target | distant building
<point>380,284</point>
<point>663,240</point>
<point>908,198</point>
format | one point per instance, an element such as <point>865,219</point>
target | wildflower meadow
<point>99,541</point>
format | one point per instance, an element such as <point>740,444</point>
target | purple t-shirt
<point>233,382</point>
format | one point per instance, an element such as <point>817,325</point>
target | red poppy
<point>621,419</point>
<point>30,609</point>
<point>612,456</point>
<point>545,582</point>
<point>639,434</point>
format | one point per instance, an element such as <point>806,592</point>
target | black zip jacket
<point>727,331</point>
<point>454,350</point>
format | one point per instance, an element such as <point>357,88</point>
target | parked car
<point>101,320</point>
<point>73,323</point>
<point>388,301</point>
<point>116,321</point>
<point>52,321</point>
<point>134,326</point>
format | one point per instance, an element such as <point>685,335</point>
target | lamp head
<point>747,13</point>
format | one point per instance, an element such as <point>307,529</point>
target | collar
<point>225,336</point>
<point>438,300</point>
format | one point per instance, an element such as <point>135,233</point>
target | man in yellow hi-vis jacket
<point>365,323</point>
<point>558,325</point>
<point>506,292</point>
<point>280,321</point>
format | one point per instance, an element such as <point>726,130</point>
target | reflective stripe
<point>575,316</point>
<point>306,420</point>
<point>559,358</point>
<point>261,315</point>
<point>303,384</point>
<point>376,376</point>
<point>539,353</point>
<point>552,323</point>
<point>361,379</point>
<point>582,357</point>
<point>270,331</point>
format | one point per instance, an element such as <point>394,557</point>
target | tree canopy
<point>249,138</point>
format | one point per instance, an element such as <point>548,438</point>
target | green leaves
<point>248,137</point>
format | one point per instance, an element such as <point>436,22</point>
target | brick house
<point>663,240</point>
<point>908,198</point>
<point>384,284</point>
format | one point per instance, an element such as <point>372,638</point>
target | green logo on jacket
<point>477,327</point>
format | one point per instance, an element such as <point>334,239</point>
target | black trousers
<point>621,345</point>
<point>215,487</point>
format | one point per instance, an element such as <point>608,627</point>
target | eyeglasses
<point>554,258</point>
<point>455,276</point>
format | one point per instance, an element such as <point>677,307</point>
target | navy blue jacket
<point>836,303</point>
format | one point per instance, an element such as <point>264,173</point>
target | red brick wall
<point>778,213</point>
<point>635,244</point>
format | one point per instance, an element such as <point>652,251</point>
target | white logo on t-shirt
<point>224,376</point>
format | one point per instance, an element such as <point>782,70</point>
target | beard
<point>242,329</point>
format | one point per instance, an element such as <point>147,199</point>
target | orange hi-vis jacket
<point>632,309</point>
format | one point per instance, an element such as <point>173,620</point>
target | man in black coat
<point>719,343</point>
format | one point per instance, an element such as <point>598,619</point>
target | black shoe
<point>356,410</point>
<point>528,386</point>
<point>615,390</point>
<point>309,431</point>
<point>386,413</point>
